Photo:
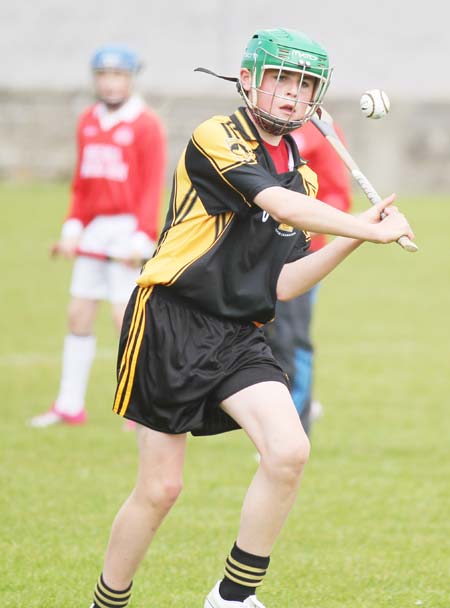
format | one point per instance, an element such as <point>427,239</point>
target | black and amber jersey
<point>219,249</point>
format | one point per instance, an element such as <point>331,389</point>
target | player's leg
<point>88,288</point>
<point>117,313</point>
<point>267,414</point>
<point>159,482</point>
<point>77,358</point>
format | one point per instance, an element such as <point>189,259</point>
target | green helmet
<point>284,50</point>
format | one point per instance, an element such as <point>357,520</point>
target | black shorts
<point>176,364</point>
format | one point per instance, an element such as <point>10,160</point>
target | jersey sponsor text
<point>103,160</point>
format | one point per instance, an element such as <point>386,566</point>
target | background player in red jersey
<point>289,335</point>
<point>114,210</point>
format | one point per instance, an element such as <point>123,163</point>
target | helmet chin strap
<point>273,125</point>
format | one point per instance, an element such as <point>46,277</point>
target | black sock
<point>105,597</point>
<point>243,573</point>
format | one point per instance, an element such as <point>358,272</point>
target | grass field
<point>371,527</point>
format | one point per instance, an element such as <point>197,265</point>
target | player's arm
<point>306,213</point>
<point>299,276</point>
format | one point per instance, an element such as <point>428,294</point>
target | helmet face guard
<point>284,50</point>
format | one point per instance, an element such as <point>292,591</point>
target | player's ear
<point>245,78</point>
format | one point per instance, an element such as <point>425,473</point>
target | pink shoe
<point>54,417</point>
<point>75,420</point>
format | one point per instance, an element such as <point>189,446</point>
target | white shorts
<point>99,280</point>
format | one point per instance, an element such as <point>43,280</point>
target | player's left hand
<point>65,248</point>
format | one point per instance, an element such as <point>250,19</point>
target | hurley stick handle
<point>325,125</point>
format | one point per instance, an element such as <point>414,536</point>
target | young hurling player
<point>114,210</point>
<point>192,355</point>
<point>289,336</point>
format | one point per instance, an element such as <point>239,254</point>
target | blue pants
<point>289,337</point>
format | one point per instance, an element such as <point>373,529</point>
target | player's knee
<point>287,461</point>
<point>78,327</point>
<point>171,489</point>
<point>161,494</point>
<point>81,317</point>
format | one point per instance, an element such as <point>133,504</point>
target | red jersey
<point>121,164</point>
<point>333,177</point>
<point>279,155</point>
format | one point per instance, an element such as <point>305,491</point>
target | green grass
<point>371,527</point>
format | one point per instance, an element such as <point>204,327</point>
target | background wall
<point>45,80</point>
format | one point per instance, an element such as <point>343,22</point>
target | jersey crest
<point>240,149</point>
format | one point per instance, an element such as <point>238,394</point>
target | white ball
<point>374,103</point>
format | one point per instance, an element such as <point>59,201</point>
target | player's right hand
<point>65,247</point>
